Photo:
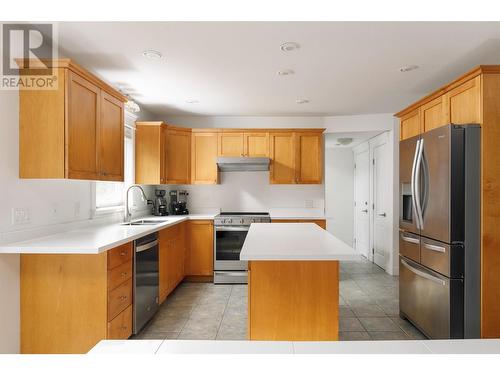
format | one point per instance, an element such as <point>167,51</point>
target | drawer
<point>119,298</point>
<point>443,258</point>
<point>120,328</point>
<point>434,303</point>
<point>409,245</point>
<point>120,255</point>
<point>119,274</point>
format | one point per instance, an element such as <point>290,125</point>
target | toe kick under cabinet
<point>69,302</point>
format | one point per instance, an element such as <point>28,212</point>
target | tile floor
<point>368,309</point>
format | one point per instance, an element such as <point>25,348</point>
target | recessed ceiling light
<point>285,72</point>
<point>302,101</point>
<point>152,54</point>
<point>408,68</point>
<point>192,101</point>
<point>289,46</point>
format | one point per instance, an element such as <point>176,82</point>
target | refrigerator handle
<point>413,193</point>
<point>418,202</point>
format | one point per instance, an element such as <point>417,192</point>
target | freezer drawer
<point>434,303</point>
<point>446,259</point>
<point>409,245</point>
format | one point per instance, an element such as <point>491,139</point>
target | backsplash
<point>250,191</point>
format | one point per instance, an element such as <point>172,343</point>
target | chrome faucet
<point>128,214</point>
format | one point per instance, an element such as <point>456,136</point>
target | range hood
<point>237,164</point>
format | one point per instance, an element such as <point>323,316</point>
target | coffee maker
<point>160,203</point>
<point>178,202</point>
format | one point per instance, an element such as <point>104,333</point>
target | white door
<point>361,199</point>
<point>381,195</point>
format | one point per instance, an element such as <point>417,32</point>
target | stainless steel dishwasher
<point>146,280</point>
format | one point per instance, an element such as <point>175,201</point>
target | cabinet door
<point>178,157</point>
<point>163,262</point>
<point>282,153</point>
<point>204,158</point>
<point>171,265</point>
<point>464,102</point>
<point>409,125</point>
<point>111,138</point>
<point>82,126</point>
<point>434,114</point>
<point>200,254</point>
<point>309,165</point>
<point>256,144</point>
<point>230,144</point>
<point>149,154</point>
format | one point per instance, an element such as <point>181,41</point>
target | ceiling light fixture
<point>192,101</point>
<point>152,54</point>
<point>289,46</point>
<point>344,141</point>
<point>408,68</point>
<point>302,101</point>
<point>285,72</point>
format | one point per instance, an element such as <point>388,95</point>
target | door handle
<point>439,249</point>
<point>410,239</point>
<point>423,274</point>
<point>383,214</point>
<point>365,210</point>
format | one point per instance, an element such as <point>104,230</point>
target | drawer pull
<point>123,253</point>
<point>439,249</point>
<point>123,328</point>
<point>410,239</point>
<point>423,274</point>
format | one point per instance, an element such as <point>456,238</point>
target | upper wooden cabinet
<point>162,153</point>
<point>434,114</point>
<point>464,103</point>
<point>73,131</point>
<point>237,143</point>
<point>296,157</point>
<point>204,157</point>
<point>410,125</point>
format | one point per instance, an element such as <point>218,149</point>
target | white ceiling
<point>230,68</point>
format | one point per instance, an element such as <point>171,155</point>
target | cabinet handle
<point>123,298</point>
<point>123,328</point>
<point>124,273</point>
<point>123,253</point>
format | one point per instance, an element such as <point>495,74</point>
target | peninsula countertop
<point>294,241</point>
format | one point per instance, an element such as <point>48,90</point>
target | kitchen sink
<point>144,222</point>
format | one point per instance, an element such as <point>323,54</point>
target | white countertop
<point>294,241</point>
<point>94,239</point>
<point>296,347</point>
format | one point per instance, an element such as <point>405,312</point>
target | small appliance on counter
<point>160,206</point>
<point>178,202</point>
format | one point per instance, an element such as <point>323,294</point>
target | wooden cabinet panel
<point>111,139</point>
<point>119,255</point>
<point>119,298</point>
<point>163,244</point>
<point>320,222</point>
<point>309,166</point>
<point>82,128</point>
<point>230,144</point>
<point>172,242</point>
<point>204,158</point>
<point>410,125</point>
<point>200,250</point>
<point>120,328</point>
<point>178,156</point>
<point>434,114</point>
<point>119,275</point>
<point>282,153</point>
<point>256,144</point>
<point>149,153</point>
<point>464,102</point>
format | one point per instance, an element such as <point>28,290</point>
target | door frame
<point>361,148</point>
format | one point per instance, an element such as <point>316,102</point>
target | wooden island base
<point>293,300</point>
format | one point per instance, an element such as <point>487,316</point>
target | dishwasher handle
<point>146,246</point>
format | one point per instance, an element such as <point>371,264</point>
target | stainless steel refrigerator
<point>439,224</point>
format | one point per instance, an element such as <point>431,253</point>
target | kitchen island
<point>293,281</point>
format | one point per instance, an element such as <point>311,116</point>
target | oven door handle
<point>230,228</point>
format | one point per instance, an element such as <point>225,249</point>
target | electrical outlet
<point>76,208</point>
<point>54,209</point>
<point>309,203</point>
<point>20,216</point>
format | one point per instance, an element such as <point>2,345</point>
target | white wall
<point>40,197</point>
<point>339,192</point>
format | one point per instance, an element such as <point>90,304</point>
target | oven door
<point>228,244</point>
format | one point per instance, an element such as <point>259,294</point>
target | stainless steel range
<point>231,229</point>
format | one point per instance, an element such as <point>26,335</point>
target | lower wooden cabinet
<point>319,222</point>
<point>69,302</point>
<point>172,253</point>
<point>200,253</point>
